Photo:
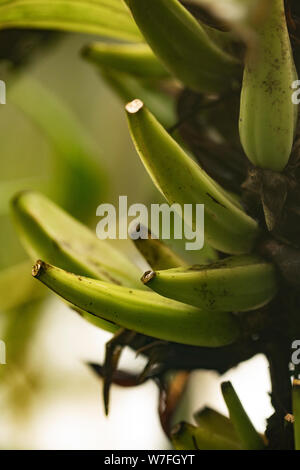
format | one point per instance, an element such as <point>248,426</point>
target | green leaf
<point>187,437</point>
<point>249,437</point>
<point>17,286</point>
<point>216,422</point>
<point>109,18</point>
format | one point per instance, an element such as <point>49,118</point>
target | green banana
<point>227,227</point>
<point>247,434</point>
<point>48,231</point>
<point>237,283</point>
<point>296,412</point>
<point>267,112</point>
<point>183,45</point>
<point>188,437</point>
<point>135,59</point>
<point>157,254</point>
<point>145,312</point>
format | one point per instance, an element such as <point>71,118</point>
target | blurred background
<point>49,398</point>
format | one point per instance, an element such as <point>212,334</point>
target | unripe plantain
<point>238,283</point>
<point>135,59</point>
<point>267,112</point>
<point>145,312</point>
<point>227,227</point>
<point>183,45</point>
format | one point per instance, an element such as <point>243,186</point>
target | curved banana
<point>48,231</point>
<point>227,227</point>
<point>267,112</point>
<point>145,312</point>
<point>247,434</point>
<point>135,59</point>
<point>234,284</point>
<point>185,436</point>
<point>183,45</point>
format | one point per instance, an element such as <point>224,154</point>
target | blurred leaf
<point>77,182</point>
<point>188,437</point>
<point>216,422</point>
<point>18,47</point>
<point>17,286</point>
<point>9,188</point>
<point>108,18</point>
<point>18,379</point>
<point>241,16</point>
<point>247,434</point>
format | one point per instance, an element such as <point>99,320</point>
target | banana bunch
<point>117,297</point>
<point>268,115</point>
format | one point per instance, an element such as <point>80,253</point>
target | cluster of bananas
<point>195,305</point>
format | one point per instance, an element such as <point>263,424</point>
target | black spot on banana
<point>227,227</point>
<point>145,312</point>
<point>183,45</point>
<point>237,283</point>
<point>268,115</point>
